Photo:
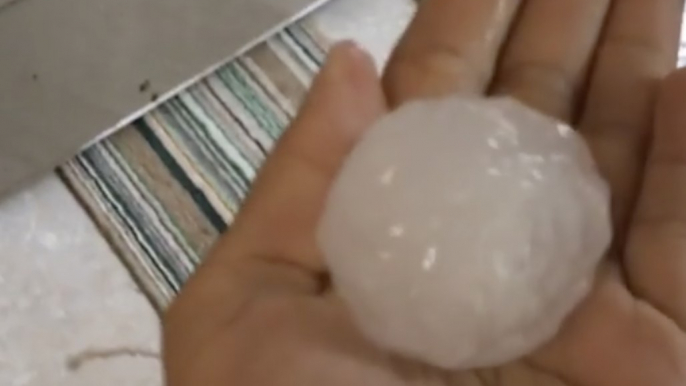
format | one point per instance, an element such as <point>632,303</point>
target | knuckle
<point>433,71</point>
<point>545,86</point>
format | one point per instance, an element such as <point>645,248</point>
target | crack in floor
<point>75,362</point>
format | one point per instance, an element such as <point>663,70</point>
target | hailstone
<point>462,232</point>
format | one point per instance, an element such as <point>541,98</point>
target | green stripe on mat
<point>164,189</point>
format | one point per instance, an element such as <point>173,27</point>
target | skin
<point>261,311</point>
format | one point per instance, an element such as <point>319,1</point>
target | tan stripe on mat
<point>177,203</point>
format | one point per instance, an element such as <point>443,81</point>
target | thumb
<point>282,211</point>
<point>272,244</point>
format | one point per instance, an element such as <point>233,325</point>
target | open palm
<point>261,311</point>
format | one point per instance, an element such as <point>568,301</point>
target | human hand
<point>260,311</point>
<point>596,64</point>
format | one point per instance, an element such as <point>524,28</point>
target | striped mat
<point>163,189</point>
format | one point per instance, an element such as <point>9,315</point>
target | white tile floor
<point>69,313</point>
<point>375,24</point>
<point>65,299</point>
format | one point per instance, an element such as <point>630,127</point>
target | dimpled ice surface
<point>462,232</point>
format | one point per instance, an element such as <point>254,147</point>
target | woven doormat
<point>163,189</point>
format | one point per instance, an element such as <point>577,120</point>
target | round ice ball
<point>462,232</point>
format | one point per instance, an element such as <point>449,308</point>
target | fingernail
<point>350,49</point>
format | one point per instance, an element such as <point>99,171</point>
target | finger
<point>285,204</point>
<point>546,60</point>
<point>637,50</point>
<point>451,46</point>
<point>656,253</point>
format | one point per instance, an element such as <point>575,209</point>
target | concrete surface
<point>72,69</point>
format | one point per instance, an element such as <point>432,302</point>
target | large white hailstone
<point>462,232</point>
